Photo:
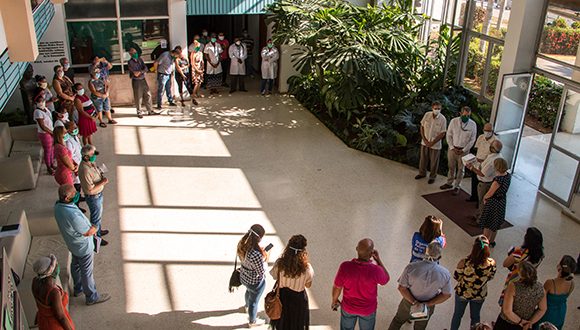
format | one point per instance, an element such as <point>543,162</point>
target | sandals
<point>112,121</point>
<point>102,124</point>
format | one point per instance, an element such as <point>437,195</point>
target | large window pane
<point>476,59</point>
<point>568,134</point>
<point>559,174</point>
<point>492,78</point>
<point>490,18</point>
<point>134,8</point>
<point>144,35</point>
<point>93,38</point>
<point>90,9</point>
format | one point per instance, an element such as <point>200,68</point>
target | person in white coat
<point>214,71</point>
<point>270,57</point>
<point>238,55</point>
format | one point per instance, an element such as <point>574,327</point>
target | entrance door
<point>561,175</point>
<point>510,114</point>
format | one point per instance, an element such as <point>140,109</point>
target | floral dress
<point>472,280</point>
<point>520,254</point>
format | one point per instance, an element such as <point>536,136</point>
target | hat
<point>433,251</point>
<point>44,266</point>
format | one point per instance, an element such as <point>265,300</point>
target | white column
<point>178,24</point>
<point>526,18</point>
<point>19,30</point>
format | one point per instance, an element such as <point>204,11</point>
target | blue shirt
<point>420,246</point>
<point>165,63</point>
<point>426,279</point>
<point>73,224</point>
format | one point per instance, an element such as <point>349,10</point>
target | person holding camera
<point>357,280</point>
<point>93,183</point>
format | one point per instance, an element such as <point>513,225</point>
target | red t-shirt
<point>225,45</point>
<point>358,280</point>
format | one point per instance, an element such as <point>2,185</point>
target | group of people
<point>490,179</point>
<point>424,283</point>
<point>209,59</point>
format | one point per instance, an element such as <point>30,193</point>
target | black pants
<point>226,69</point>
<point>474,183</point>
<point>237,80</point>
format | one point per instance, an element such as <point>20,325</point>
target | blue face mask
<point>97,75</point>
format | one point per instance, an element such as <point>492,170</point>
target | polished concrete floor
<point>183,191</point>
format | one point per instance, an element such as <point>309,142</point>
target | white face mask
<point>436,112</point>
<point>66,66</point>
<point>81,91</point>
<point>238,43</point>
<point>204,34</point>
<point>488,134</point>
<point>41,105</point>
<point>221,37</point>
<point>60,74</point>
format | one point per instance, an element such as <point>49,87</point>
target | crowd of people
<point>424,283</point>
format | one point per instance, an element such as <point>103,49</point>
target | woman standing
<point>50,298</point>
<point>294,274</point>
<point>196,60</point>
<point>182,76</point>
<point>525,301</point>
<point>472,275</point>
<point>44,126</point>
<point>42,84</point>
<point>558,290</point>
<point>532,251</point>
<point>214,68</point>
<point>431,229</point>
<point>270,57</point>
<point>99,88</point>
<point>87,114</point>
<point>252,271</point>
<point>64,91</point>
<point>238,55</point>
<point>66,167</point>
<point>493,214</point>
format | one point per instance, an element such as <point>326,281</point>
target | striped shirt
<point>252,271</point>
<point>297,284</point>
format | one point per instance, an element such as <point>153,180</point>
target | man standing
<point>433,127</point>
<point>141,93</point>
<point>482,145</point>
<point>224,57</point>
<point>357,280</point>
<point>165,66</point>
<point>422,282</point>
<point>93,182</point>
<point>460,139</point>
<point>78,233</point>
<point>249,43</point>
<point>68,71</point>
<point>486,173</point>
<point>238,56</point>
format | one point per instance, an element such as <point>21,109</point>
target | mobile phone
<point>269,247</point>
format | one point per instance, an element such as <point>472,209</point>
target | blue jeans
<point>163,82</point>
<point>348,321</point>
<point>266,83</point>
<point>95,203</point>
<point>82,274</point>
<point>460,305</point>
<point>102,104</point>
<point>253,294</point>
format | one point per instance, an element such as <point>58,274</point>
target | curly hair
<point>250,241</point>
<point>294,259</point>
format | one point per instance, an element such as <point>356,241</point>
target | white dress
<point>238,52</point>
<point>270,62</point>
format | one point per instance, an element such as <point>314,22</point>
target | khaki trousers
<point>429,156</point>
<point>482,189</point>
<point>456,168</point>
<point>404,314</point>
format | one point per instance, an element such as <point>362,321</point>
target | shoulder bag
<point>235,278</point>
<point>272,303</point>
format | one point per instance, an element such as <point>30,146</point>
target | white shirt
<point>74,145</point>
<point>297,284</point>
<point>482,145</point>
<point>461,135</point>
<point>46,117</point>
<point>433,127</point>
<point>213,52</point>
<point>487,168</point>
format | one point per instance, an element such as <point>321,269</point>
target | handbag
<point>235,280</point>
<point>272,303</point>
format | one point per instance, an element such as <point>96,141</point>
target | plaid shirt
<point>252,272</point>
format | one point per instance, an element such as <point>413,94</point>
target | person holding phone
<point>357,280</point>
<point>253,257</point>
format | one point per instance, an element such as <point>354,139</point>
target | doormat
<point>459,210</point>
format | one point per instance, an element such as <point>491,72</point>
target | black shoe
<point>172,104</point>
<point>158,107</point>
<point>243,90</point>
<point>104,243</point>
<point>232,91</point>
<point>112,110</point>
<point>492,244</point>
<point>446,186</point>
<point>431,181</point>
<point>104,232</point>
<point>140,116</point>
<point>455,191</point>
<point>419,176</point>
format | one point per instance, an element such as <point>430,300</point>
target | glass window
<point>476,60</point>
<point>144,36</point>
<point>140,8</point>
<point>568,134</point>
<point>90,9</point>
<point>559,174</point>
<point>493,75</point>
<point>490,19</point>
<point>88,39</point>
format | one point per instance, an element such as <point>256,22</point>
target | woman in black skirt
<point>495,201</point>
<point>294,274</point>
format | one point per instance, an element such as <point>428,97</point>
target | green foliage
<point>545,100</point>
<point>576,25</point>
<point>560,40</point>
<point>560,23</point>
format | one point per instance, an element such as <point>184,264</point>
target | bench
<point>20,157</point>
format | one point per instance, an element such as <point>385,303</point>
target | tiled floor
<point>184,191</point>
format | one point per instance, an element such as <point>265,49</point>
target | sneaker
<point>446,186</point>
<point>102,298</point>
<point>256,323</point>
<point>419,176</point>
<point>431,181</point>
<point>104,232</point>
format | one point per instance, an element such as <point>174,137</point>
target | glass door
<point>561,173</point>
<point>510,113</point>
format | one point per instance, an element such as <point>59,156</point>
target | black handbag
<point>235,280</point>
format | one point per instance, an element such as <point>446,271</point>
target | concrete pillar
<point>178,24</point>
<point>519,52</point>
<point>576,73</point>
<point>19,29</point>
<point>286,66</point>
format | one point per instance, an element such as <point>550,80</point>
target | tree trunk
<point>486,22</point>
<point>501,9</point>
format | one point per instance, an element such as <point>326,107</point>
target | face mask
<point>76,198</point>
<point>75,132</point>
<point>135,56</point>
<point>212,39</point>
<point>197,48</point>
<point>81,91</point>
<point>43,85</point>
<point>93,158</point>
<point>270,45</point>
<point>97,75</point>
<point>238,43</point>
<point>41,105</point>
<point>221,37</point>
<point>464,118</point>
<point>488,134</point>
<point>436,112</point>
<point>204,34</point>
<point>66,137</point>
<point>66,66</point>
<point>56,271</point>
<point>60,74</point>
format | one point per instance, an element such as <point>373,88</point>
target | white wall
<point>3,43</point>
<point>53,45</point>
<point>178,23</point>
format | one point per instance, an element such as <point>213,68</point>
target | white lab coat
<point>238,52</point>
<point>269,63</point>
<point>213,52</point>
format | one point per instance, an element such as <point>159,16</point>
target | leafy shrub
<point>560,40</point>
<point>545,100</point>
